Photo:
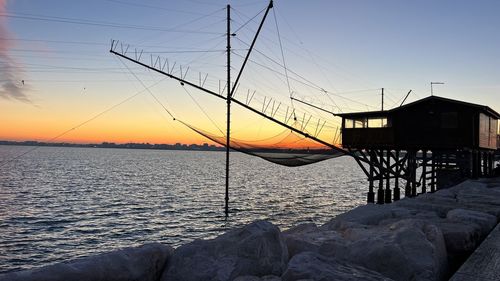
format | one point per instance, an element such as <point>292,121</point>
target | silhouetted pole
<point>382,99</point>
<point>388,192</point>
<point>405,98</point>
<point>228,129</point>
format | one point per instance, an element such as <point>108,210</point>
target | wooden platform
<point>484,263</point>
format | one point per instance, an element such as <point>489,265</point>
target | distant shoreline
<point>177,146</point>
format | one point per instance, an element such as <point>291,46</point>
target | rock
<point>463,231</point>
<point>141,263</point>
<point>469,195</point>
<point>257,249</point>
<point>480,198</point>
<point>401,247</point>
<point>486,221</point>
<point>313,266</point>
<point>256,278</point>
<point>247,278</point>
<point>461,240</point>
<point>428,216</point>
<point>402,244</point>
<point>305,237</point>
<point>405,250</point>
<point>448,193</point>
<point>441,208</point>
<point>370,214</point>
<point>301,228</point>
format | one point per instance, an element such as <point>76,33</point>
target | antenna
<point>435,83</point>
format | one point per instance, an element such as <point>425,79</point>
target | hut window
<point>349,123</point>
<point>355,123</point>
<point>360,123</point>
<point>377,123</point>
<point>449,120</point>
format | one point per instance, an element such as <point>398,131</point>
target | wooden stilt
<point>371,194</point>
<point>468,164</point>
<point>388,192</point>
<point>491,161</point>
<point>424,171</point>
<point>485,164</point>
<point>475,169</point>
<point>408,175</point>
<point>380,191</point>
<point>414,174</point>
<point>396,179</point>
<point>433,171</point>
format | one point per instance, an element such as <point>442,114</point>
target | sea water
<point>59,203</point>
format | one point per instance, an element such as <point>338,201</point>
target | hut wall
<point>435,125</point>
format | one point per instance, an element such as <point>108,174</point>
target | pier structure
<point>422,146</point>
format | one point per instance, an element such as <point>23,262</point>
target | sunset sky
<point>57,72</point>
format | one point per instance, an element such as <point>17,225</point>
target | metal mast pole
<point>382,99</point>
<point>228,101</point>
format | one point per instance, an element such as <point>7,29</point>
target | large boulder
<point>307,237</point>
<point>405,250</point>
<point>463,231</point>
<point>480,198</point>
<point>313,266</point>
<point>145,263</point>
<point>371,214</point>
<point>257,249</point>
<point>469,195</point>
<point>485,221</point>
<point>256,278</point>
<point>402,246</point>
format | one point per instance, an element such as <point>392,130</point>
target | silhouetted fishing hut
<point>429,143</point>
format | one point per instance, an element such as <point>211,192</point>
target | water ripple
<point>62,203</point>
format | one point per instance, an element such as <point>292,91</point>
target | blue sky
<point>350,48</point>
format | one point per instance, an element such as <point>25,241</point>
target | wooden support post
<point>414,174</point>
<point>388,192</point>
<point>485,164</point>
<point>468,164</point>
<point>479,164</point>
<point>380,191</point>
<point>491,161</point>
<point>433,171</point>
<point>408,174</point>
<point>397,192</point>
<point>424,171</point>
<point>371,194</point>
<point>475,170</point>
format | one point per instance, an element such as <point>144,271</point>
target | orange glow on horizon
<point>133,123</point>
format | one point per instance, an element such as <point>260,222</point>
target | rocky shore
<point>422,238</point>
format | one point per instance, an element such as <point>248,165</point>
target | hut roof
<point>382,113</point>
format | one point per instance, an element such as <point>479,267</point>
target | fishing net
<point>287,148</point>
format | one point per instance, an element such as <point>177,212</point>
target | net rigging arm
<point>242,104</point>
<point>314,106</point>
<point>353,154</point>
